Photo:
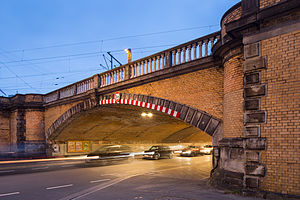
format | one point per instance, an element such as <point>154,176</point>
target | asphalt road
<point>179,178</point>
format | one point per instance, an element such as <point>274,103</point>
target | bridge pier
<point>23,115</point>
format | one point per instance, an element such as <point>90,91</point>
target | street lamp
<point>128,51</point>
<point>146,114</point>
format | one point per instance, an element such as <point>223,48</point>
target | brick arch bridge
<point>199,119</point>
<point>246,75</point>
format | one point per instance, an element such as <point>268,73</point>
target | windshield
<point>154,148</point>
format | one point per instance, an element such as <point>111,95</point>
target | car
<point>191,151</point>
<point>207,149</point>
<point>111,152</point>
<point>158,151</point>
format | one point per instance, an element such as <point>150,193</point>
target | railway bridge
<point>238,87</point>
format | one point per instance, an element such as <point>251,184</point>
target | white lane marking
<point>101,180</point>
<point>38,168</point>
<point>89,191</point>
<point>7,171</point>
<point>8,194</point>
<point>60,186</point>
<point>67,166</point>
<point>110,175</point>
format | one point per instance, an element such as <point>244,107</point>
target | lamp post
<point>128,51</point>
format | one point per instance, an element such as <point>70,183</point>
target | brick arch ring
<point>197,118</point>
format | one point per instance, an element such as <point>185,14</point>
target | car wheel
<point>156,156</point>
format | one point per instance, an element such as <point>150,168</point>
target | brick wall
<point>267,3</point>
<point>202,90</point>
<point>4,132</point>
<point>233,97</point>
<point>282,104</point>
<point>13,129</point>
<point>34,125</point>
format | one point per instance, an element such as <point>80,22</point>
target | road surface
<point>179,178</point>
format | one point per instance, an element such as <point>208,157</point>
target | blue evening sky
<point>48,44</point>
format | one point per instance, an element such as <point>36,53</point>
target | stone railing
<point>187,52</point>
<point>113,76</point>
<point>181,54</point>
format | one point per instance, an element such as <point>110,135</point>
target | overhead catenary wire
<point>80,54</point>
<point>111,39</point>
<point>18,76</point>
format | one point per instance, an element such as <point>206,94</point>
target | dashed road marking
<point>59,186</point>
<point>9,194</point>
<point>101,180</point>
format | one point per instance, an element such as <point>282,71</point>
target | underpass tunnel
<point>137,127</point>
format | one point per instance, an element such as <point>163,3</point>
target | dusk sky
<point>48,44</point>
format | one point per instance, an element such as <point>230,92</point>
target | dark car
<point>157,152</point>
<point>111,151</point>
<point>190,151</point>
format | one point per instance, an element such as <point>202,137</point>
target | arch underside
<point>193,117</point>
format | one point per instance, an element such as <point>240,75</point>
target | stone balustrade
<point>181,54</point>
<point>113,76</point>
<point>84,85</point>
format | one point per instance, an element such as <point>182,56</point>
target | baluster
<point>138,69</point>
<point>146,66</point>
<point>154,63</point>
<point>142,66</point>
<point>195,51</point>
<point>200,48</point>
<point>158,64</point>
<point>150,65</point>
<point>211,44</point>
<point>174,57</point>
<point>190,52</point>
<point>135,69</point>
<point>132,72</point>
<point>179,56</point>
<point>163,63</point>
<point>113,77</point>
<point>206,47</point>
<point>184,54</point>
<point>116,76</point>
